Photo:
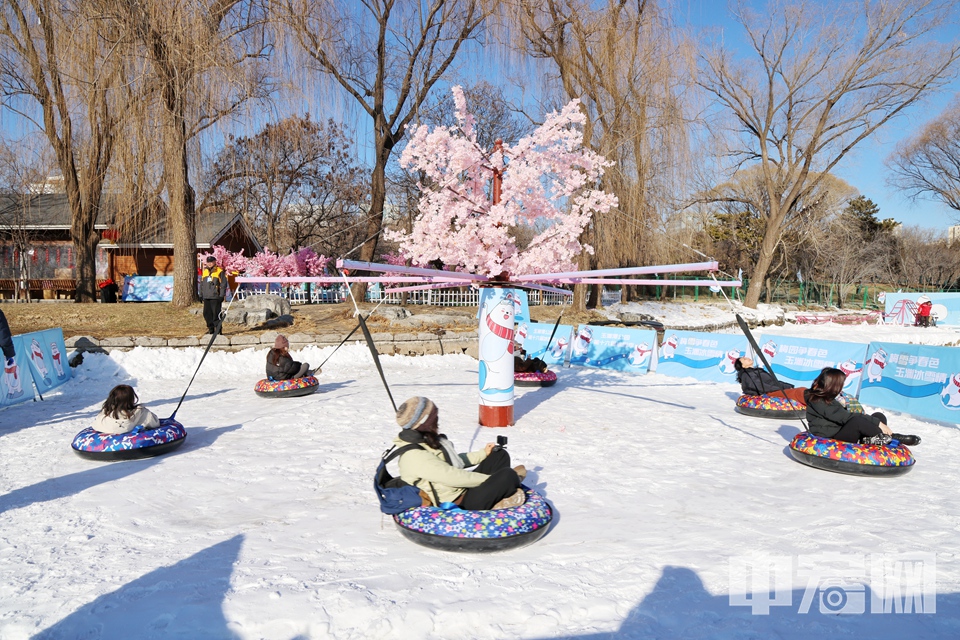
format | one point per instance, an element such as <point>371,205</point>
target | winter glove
<point>11,361</point>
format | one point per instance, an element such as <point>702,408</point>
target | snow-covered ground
<point>264,524</point>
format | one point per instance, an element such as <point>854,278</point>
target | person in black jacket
<point>6,340</point>
<point>280,366</point>
<point>828,418</point>
<point>213,289</point>
<point>756,381</point>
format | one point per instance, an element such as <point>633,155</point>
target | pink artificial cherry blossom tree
<point>474,199</point>
<point>547,178</point>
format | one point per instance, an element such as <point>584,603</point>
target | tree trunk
<point>378,196</point>
<point>182,216</point>
<point>764,260</point>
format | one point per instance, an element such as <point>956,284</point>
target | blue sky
<point>864,166</point>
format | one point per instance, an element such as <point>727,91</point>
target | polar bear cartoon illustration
<point>669,347</point>
<point>11,373</point>
<point>581,343</point>
<point>727,363</point>
<point>639,354</point>
<point>851,370</point>
<point>950,395</point>
<point>521,335</point>
<point>558,349</point>
<point>769,349</point>
<point>57,363</point>
<point>36,355</point>
<point>496,343</point>
<point>875,364</point>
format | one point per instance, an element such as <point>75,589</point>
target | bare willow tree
<point>296,181</point>
<point>200,59</point>
<point>928,164</point>
<point>61,70</point>
<point>387,56</point>
<point>621,59</point>
<point>738,226</point>
<point>821,79</point>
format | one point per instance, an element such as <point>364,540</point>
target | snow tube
<point>849,457</point>
<point>534,379</point>
<point>287,388</point>
<point>781,408</point>
<point>477,531</point>
<point>139,443</point>
<point>777,407</point>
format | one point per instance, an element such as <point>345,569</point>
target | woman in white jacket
<point>122,414</point>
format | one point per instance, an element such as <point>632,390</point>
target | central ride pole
<point>495,336</point>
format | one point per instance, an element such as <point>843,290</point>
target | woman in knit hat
<point>280,366</point>
<point>440,472</point>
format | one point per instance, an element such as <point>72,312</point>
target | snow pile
<point>264,524</point>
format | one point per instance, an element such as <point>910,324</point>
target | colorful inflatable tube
<point>782,408</point>
<point>851,458</point>
<point>477,531</point>
<point>534,379</point>
<point>777,407</point>
<point>139,443</point>
<point>287,388</point>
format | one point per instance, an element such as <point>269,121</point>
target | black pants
<point>860,426</point>
<point>211,312</point>
<point>502,483</point>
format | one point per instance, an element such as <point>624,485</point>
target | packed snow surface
<point>264,523</point>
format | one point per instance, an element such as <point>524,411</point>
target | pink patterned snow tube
<point>534,379</point>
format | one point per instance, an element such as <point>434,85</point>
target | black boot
<point>907,440</point>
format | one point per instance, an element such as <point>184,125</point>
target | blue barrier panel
<point>147,288</point>
<point>613,348</point>
<point>45,351</point>
<point>917,379</point>
<point>533,338</point>
<point>705,356</point>
<point>946,307</point>
<point>16,384</point>
<point>799,360</point>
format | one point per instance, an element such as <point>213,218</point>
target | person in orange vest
<point>213,290</point>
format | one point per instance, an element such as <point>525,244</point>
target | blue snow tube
<point>477,531</point>
<point>139,443</point>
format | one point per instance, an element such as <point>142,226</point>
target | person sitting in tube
<point>280,366</point>
<point>441,473</point>
<point>121,412</point>
<point>524,364</point>
<point>757,381</point>
<point>827,418</point>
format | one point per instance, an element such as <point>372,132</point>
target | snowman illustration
<point>769,350</point>
<point>11,373</point>
<point>875,365</point>
<point>558,349</point>
<point>640,354</point>
<point>950,395</point>
<point>669,347</point>
<point>726,365</point>
<point>36,356</point>
<point>582,342</point>
<point>57,363</point>
<point>496,346</point>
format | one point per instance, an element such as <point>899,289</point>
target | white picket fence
<point>467,297</point>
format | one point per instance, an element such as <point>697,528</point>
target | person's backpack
<point>395,495</point>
